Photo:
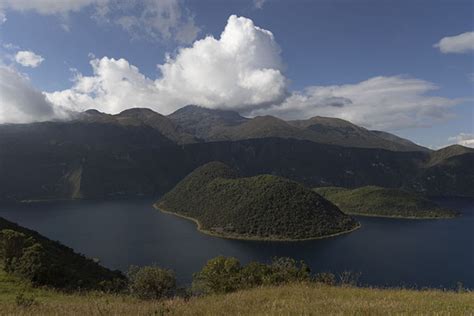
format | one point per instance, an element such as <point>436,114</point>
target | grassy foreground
<point>293,299</point>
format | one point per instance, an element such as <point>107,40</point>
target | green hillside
<point>263,207</point>
<point>43,262</point>
<point>377,201</point>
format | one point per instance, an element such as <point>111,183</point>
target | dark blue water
<point>387,252</point>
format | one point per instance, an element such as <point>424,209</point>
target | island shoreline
<point>212,234</point>
<point>403,217</point>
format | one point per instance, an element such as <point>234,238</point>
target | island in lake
<point>384,202</point>
<point>263,207</point>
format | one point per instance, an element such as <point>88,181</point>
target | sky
<point>406,67</point>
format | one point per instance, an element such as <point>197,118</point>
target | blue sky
<point>321,53</point>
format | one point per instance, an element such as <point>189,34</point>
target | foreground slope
<point>262,207</point>
<point>292,299</point>
<point>44,262</point>
<point>377,201</point>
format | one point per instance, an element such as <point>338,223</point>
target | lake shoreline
<point>404,217</point>
<point>236,237</point>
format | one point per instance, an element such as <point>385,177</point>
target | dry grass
<point>294,299</point>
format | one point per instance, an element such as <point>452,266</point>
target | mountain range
<point>141,152</point>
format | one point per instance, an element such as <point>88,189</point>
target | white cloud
<point>10,46</point>
<point>462,43</point>
<point>242,70</point>
<point>47,6</point>
<point>384,103</point>
<point>20,102</point>
<point>152,19</point>
<point>28,59</point>
<point>115,86</point>
<point>464,139</point>
<point>258,4</point>
<point>3,17</point>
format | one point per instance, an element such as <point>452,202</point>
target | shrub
<point>285,270</point>
<point>224,275</point>
<point>255,274</point>
<point>325,278</point>
<point>219,275</point>
<point>151,282</point>
<point>12,244</point>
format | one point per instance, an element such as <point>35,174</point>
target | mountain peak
<point>93,112</point>
<point>196,110</point>
<point>138,112</point>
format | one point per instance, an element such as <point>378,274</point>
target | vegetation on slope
<point>17,298</point>
<point>42,261</point>
<point>377,201</point>
<point>261,207</point>
<point>442,155</point>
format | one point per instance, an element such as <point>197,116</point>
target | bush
<point>12,244</point>
<point>151,282</point>
<point>285,270</point>
<point>219,275</point>
<point>255,274</point>
<point>325,278</point>
<point>224,275</point>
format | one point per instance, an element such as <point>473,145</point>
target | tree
<point>219,275</point>
<point>12,244</point>
<point>285,270</point>
<point>151,282</point>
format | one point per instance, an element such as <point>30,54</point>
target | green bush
<point>12,244</point>
<point>285,270</point>
<point>224,275</point>
<point>219,275</point>
<point>151,282</point>
<point>255,274</point>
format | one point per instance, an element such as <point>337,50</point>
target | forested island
<point>384,202</point>
<point>263,207</point>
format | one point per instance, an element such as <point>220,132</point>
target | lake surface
<point>387,252</point>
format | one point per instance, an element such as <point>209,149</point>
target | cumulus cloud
<point>377,103</point>
<point>462,43</point>
<point>20,102</point>
<point>114,86</point>
<point>241,70</point>
<point>28,59</point>
<point>464,139</point>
